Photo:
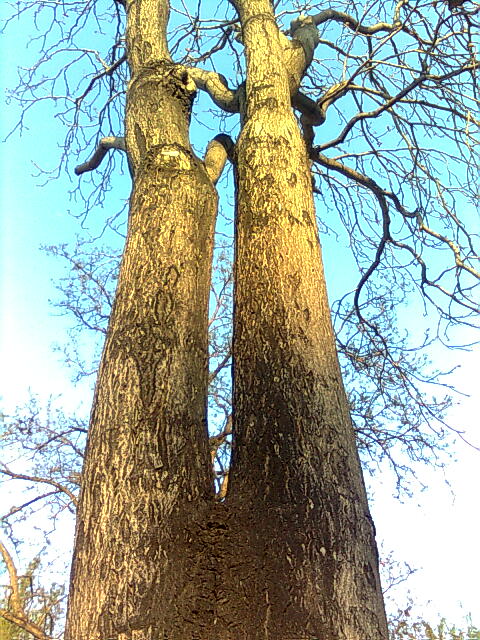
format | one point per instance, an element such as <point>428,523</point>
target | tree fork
<point>291,552</point>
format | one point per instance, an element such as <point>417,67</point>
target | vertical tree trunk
<point>147,466</point>
<point>291,553</point>
<point>296,484</point>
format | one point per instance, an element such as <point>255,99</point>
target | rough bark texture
<point>147,457</point>
<point>295,483</point>
<point>291,552</point>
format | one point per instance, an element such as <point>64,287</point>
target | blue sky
<point>436,529</point>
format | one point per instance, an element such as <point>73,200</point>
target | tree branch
<point>15,510</point>
<point>218,151</point>
<point>223,363</point>
<point>53,483</point>
<point>14,600</point>
<point>356,25</point>
<point>17,615</point>
<point>315,113</point>
<point>361,179</point>
<point>218,47</point>
<point>107,71</point>
<point>217,88</point>
<point>216,441</point>
<point>297,59</point>
<point>105,144</point>
<point>382,197</point>
<point>302,30</point>
<point>353,23</point>
<point>372,114</point>
<point>25,624</point>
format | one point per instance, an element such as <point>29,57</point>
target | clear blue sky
<point>436,530</point>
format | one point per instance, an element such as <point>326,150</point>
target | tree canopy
<point>388,106</point>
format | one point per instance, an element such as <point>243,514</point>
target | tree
<point>404,628</point>
<point>27,609</point>
<point>156,552</point>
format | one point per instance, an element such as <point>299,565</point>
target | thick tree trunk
<point>296,484</point>
<point>147,465</point>
<point>291,552</point>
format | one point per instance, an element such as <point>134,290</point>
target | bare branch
<point>107,71</point>
<point>25,624</point>
<point>216,441</point>
<point>373,114</point>
<point>218,151</point>
<point>53,483</point>
<point>217,88</point>
<point>223,363</point>
<point>352,23</point>
<point>380,195</point>
<point>361,179</point>
<point>223,487</point>
<point>29,503</point>
<point>105,144</point>
<point>16,614</point>
<point>218,47</point>
<point>15,601</point>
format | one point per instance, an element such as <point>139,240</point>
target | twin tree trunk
<point>290,553</point>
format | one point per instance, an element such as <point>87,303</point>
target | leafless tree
<point>386,100</point>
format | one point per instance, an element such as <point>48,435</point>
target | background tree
<point>27,609</point>
<point>403,628</point>
<point>412,25</point>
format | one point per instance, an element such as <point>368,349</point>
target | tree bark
<point>147,470</point>
<point>295,484</point>
<point>291,552</point>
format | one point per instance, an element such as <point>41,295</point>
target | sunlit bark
<point>295,481</point>
<point>147,455</point>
